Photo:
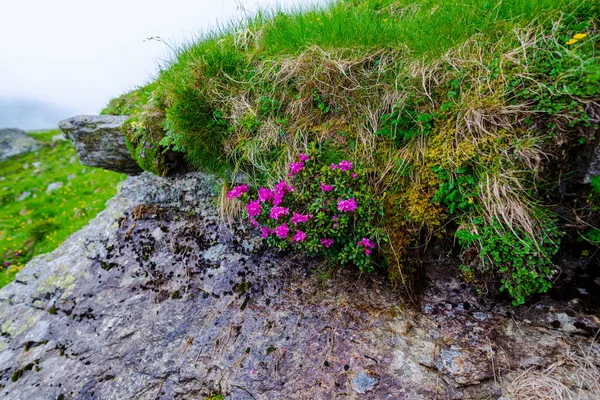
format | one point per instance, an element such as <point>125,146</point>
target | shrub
<point>325,210</point>
<point>523,264</point>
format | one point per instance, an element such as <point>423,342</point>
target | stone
<point>53,187</point>
<point>99,142</point>
<point>59,138</point>
<point>23,196</point>
<point>593,168</point>
<point>14,142</point>
<point>158,298</point>
<point>363,383</point>
<point>36,164</point>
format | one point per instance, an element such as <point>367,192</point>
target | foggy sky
<point>61,58</point>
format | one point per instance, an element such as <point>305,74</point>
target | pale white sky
<point>75,55</point>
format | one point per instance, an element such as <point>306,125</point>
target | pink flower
<point>303,157</point>
<point>367,245</point>
<point>254,223</point>
<point>366,242</point>
<point>282,231</point>
<point>353,175</point>
<point>333,167</point>
<point>297,218</point>
<point>326,242</point>
<point>265,232</point>
<point>345,165</point>
<point>347,205</point>
<point>265,194</point>
<point>237,191</point>
<point>295,167</point>
<point>299,236</point>
<point>278,198</point>
<point>251,372</point>
<point>253,208</point>
<point>277,212</point>
<point>327,188</point>
<point>282,186</point>
<point>6,263</point>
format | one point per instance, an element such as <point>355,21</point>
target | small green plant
<point>326,210</point>
<point>595,185</point>
<point>456,191</point>
<point>524,265</point>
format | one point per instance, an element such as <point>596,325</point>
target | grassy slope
<point>39,223</point>
<point>456,109</point>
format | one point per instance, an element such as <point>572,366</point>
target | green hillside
<point>39,221</point>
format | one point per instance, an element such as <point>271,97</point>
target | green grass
<point>454,109</point>
<point>40,222</point>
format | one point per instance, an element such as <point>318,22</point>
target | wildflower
<point>237,191</point>
<point>345,165</point>
<point>254,223</point>
<point>299,236</point>
<point>278,198</point>
<point>265,232</point>
<point>326,242</point>
<point>253,208</point>
<point>333,167</point>
<point>367,245</point>
<point>327,188</point>
<point>303,157</point>
<point>295,167</point>
<point>6,264</point>
<point>353,175</point>
<point>277,212</point>
<point>347,205</point>
<point>297,218</point>
<point>579,36</point>
<point>572,41</point>
<point>282,186</point>
<point>265,194</point>
<point>282,230</point>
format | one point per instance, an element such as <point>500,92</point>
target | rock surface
<point>157,298</point>
<point>14,142</point>
<point>100,143</point>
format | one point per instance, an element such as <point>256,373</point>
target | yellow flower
<point>579,36</point>
<point>572,41</point>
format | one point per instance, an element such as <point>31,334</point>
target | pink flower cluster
<point>237,191</point>
<point>297,218</point>
<point>367,245</point>
<point>326,242</point>
<point>327,188</point>
<point>347,205</point>
<point>344,165</point>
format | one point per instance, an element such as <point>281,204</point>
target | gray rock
<point>36,164</point>
<point>14,142</point>
<point>23,196</point>
<point>100,143</point>
<point>363,383</point>
<point>59,138</point>
<point>53,187</point>
<point>593,169</point>
<point>156,297</point>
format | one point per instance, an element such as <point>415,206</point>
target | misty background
<point>62,58</point>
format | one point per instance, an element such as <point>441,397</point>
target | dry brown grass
<point>576,375</point>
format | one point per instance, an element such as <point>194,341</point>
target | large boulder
<point>14,142</point>
<point>158,298</point>
<point>100,143</point>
